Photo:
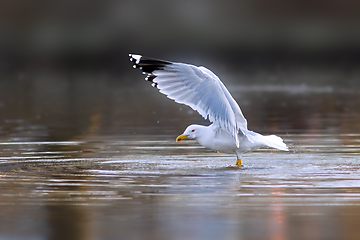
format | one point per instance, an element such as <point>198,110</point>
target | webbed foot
<point>238,161</point>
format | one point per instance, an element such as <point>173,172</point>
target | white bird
<point>203,91</point>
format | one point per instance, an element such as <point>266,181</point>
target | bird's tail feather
<point>275,142</point>
<point>272,141</point>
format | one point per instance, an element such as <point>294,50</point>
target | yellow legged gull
<point>203,91</point>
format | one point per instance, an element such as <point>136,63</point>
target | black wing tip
<point>148,66</point>
<point>139,57</point>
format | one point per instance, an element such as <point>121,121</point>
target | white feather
<point>202,90</point>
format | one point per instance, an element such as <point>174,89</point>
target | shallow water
<point>93,161</point>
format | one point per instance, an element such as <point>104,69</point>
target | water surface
<point>95,161</point>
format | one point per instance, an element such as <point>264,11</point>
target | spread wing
<point>196,87</point>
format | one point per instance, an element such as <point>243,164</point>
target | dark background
<point>87,147</point>
<point>37,35</point>
<point>65,70</point>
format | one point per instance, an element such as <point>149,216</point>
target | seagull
<point>200,89</point>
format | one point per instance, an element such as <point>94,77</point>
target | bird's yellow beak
<point>181,137</point>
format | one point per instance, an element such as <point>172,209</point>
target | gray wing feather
<point>241,121</point>
<point>198,88</point>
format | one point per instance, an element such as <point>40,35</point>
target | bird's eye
<point>193,130</point>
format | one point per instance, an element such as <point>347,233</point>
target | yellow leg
<point>238,161</point>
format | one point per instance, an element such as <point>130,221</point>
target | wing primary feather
<point>146,64</point>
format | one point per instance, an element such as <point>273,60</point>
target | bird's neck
<point>207,132</point>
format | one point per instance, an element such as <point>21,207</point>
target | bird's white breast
<point>217,140</point>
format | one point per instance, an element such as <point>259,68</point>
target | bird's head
<point>191,132</point>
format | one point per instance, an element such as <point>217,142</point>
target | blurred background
<point>87,147</point>
<point>96,34</point>
<point>64,64</point>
